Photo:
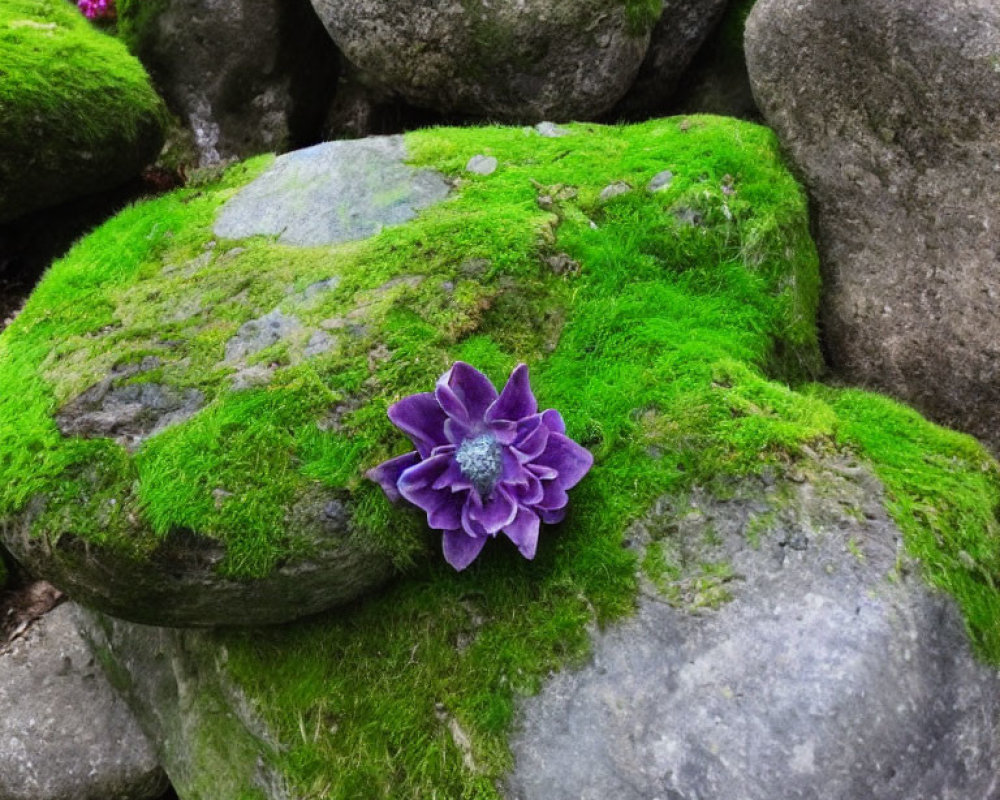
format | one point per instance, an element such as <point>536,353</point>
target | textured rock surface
<point>681,30</point>
<point>247,76</point>
<point>206,733</point>
<point>333,192</point>
<point>891,111</point>
<point>807,662</point>
<point>522,61</point>
<point>64,732</point>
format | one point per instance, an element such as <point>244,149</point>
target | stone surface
<point>65,734</point>
<point>205,730</point>
<point>890,109</point>
<point>247,76</point>
<point>520,61</point>
<point>352,189</point>
<point>807,661</point>
<point>682,28</point>
<point>481,165</point>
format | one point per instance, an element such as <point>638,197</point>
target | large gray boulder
<point>890,109</point>
<point>523,61</point>
<point>807,662</point>
<point>246,76</point>
<point>65,734</point>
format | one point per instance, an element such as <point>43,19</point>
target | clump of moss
<point>77,112</point>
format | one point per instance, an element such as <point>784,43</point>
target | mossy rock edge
<point>78,114</point>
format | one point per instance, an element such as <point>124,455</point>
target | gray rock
<point>247,76</point>
<point>65,734</point>
<point>127,412</point>
<point>180,583</point>
<point>683,27</point>
<point>333,192</point>
<point>802,663</point>
<point>481,165</point>
<point>890,109</point>
<point>660,181</point>
<point>613,190</point>
<point>211,742</point>
<point>550,130</point>
<point>524,60</point>
<point>260,333</point>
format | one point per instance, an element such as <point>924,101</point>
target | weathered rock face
<point>891,111</point>
<point>352,189</point>
<point>812,664</point>
<point>523,61</point>
<point>247,76</point>
<point>65,734</point>
<point>680,31</point>
<point>78,114</point>
<point>202,724</point>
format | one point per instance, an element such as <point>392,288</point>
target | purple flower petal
<point>523,532</point>
<point>465,393</point>
<point>496,511</point>
<point>533,435</point>
<point>420,417</point>
<point>415,484</point>
<point>387,473</point>
<point>460,549</point>
<point>553,498</point>
<point>552,517</point>
<point>516,400</point>
<point>448,515</point>
<point>452,479</point>
<point>554,421</point>
<point>469,525</point>
<point>531,493</point>
<point>570,459</point>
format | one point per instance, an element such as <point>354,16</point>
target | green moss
<point>642,14</point>
<point>77,112</point>
<point>136,21</point>
<point>943,492</point>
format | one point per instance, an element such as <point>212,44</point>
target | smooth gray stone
<point>64,732</point>
<point>333,192</point>
<point>827,676</point>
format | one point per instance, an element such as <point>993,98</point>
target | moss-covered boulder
<point>660,281</point>
<point>185,418</point>
<point>77,112</point>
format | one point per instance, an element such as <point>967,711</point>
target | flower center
<point>481,462</point>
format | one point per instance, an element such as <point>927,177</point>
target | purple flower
<point>96,9</point>
<point>484,463</point>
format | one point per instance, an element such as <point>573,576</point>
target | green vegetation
<point>642,14</point>
<point>77,112</point>
<point>943,491</point>
<point>671,351</point>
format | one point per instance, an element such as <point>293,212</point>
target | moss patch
<point>77,112</point>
